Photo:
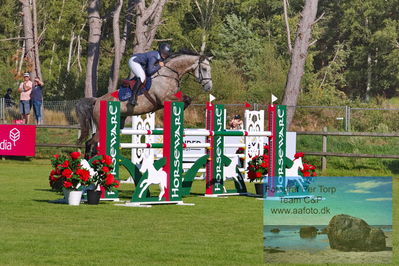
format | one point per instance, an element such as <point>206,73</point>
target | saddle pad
<point>124,93</point>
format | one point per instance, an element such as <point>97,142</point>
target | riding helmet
<point>164,48</point>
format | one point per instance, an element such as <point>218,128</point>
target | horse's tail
<point>84,110</point>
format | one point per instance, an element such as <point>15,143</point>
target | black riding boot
<point>135,91</point>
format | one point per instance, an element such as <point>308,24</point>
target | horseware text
<point>219,112</point>
<point>177,153</point>
<point>113,145</point>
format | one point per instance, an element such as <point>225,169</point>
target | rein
<point>200,78</point>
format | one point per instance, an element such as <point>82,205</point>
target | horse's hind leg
<point>123,121</point>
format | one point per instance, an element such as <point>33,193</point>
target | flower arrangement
<point>258,166</point>
<point>308,170</point>
<point>68,172</point>
<point>103,167</point>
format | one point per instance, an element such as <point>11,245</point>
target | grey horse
<point>165,84</point>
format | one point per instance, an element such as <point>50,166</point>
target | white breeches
<point>137,69</point>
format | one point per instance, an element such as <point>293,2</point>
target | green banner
<point>113,140</point>
<point>280,149</point>
<point>218,150</point>
<point>176,151</point>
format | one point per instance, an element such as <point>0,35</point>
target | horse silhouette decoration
<point>156,177</point>
<point>291,174</point>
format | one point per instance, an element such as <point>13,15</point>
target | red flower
<point>117,183</point>
<point>264,165</point>
<point>306,174</point>
<point>305,167</point>
<point>56,156</point>
<point>105,169</point>
<point>96,162</point>
<point>67,173</point>
<point>311,167</point>
<point>251,175</point>
<point>57,171</point>
<point>67,184</point>
<point>298,154</point>
<point>258,174</point>
<point>266,147</point>
<point>314,174</point>
<point>65,164</point>
<point>107,159</point>
<point>109,179</point>
<point>75,155</point>
<point>83,174</point>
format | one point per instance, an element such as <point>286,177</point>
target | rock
<point>323,231</point>
<point>308,232</point>
<point>273,250</point>
<point>275,230</point>
<point>348,233</point>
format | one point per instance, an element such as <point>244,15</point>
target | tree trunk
<point>70,51</point>
<point>36,42</point>
<point>287,25</point>
<point>114,75</point>
<point>147,22</point>
<point>298,58</point>
<point>93,50</point>
<point>29,53</point>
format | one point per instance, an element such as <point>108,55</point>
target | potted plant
<point>102,167</point>
<point>257,170</point>
<point>69,172</point>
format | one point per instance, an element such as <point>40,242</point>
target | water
<point>288,238</point>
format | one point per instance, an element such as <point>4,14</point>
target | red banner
<point>17,140</point>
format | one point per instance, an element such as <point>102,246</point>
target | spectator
<point>8,98</point>
<point>37,99</point>
<point>236,122</point>
<point>25,88</point>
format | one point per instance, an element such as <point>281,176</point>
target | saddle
<point>125,90</point>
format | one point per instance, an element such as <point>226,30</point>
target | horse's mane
<point>183,52</point>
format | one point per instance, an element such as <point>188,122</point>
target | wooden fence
<point>324,154</point>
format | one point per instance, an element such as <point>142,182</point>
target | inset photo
<point>329,220</point>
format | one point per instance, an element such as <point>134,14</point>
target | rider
<point>145,65</point>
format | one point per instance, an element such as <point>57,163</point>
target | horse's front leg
<point>187,101</point>
<point>173,98</point>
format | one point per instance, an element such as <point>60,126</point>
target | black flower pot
<point>260,189</point>
<point>93,197</point>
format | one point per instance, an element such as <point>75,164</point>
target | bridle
<point>199,79</point>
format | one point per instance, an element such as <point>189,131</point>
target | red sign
<point>17,140</point>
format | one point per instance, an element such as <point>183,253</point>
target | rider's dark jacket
<point>149,61</point>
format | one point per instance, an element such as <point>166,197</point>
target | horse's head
<point>202,72</point>
<point>299,162</point>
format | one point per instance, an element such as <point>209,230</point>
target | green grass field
<point>216,231</point>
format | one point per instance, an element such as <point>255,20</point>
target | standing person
<point>236,122</point>
<point>25,88</point>
<point>8,98</point>
<point>145,65</point>
<point>37,99</point>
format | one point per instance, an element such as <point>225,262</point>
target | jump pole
<point>109,140</point>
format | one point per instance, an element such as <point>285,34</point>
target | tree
<point>31,40</point>
<point>148,20</point>
<point>298,58</point>
<point>93,48</point>
<point>120,43</point>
